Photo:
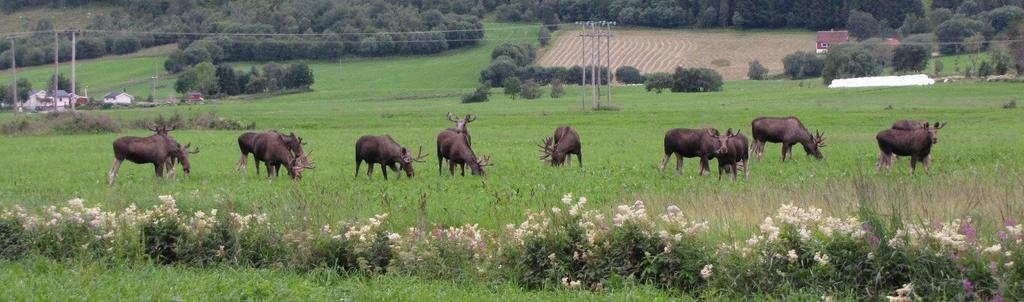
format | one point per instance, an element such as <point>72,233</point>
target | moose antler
<point>485,162</point>
<point>546,149</point>
<point>152,127</point>
<point>452,117</point>
<point>819,138</point>
<point>420,156</point>
<point>470,118</point>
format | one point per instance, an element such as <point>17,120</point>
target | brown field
<point>663,50</point>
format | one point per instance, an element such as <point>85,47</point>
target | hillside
<point>62,19</point>
<point>728,52</point>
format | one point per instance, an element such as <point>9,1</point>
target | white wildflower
<point>821,258</point>
<point>791,255</point>
<point>707,271</point>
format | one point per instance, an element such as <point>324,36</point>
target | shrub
<point>657,81</point>
<point>513,86</point>
<point>696,80</point>
<point>61,122</point>
<point>629,75</point>
<point>863,25</point>
<point>481,94</point>
<point>756,71</point>
<point>910,58</point>
<point>955,31</point>
<point>984,69</point>
<point>14,240</point>
<point>557,89</point>
<point>543,36</point>
<point>531,90</point>
<point>802,64</point>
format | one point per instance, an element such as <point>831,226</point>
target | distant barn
<point>118,98</point>
<point>828,38</point>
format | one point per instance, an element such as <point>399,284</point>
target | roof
<point>893,41</point>
<point>62,94</point>
<point>115,94</point>
<point>833,36</point>
<point>194,93</point>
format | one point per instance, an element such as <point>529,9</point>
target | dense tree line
<point>225,80</point>
<point>324,29</point>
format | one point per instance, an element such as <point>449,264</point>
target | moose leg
<point>679,164</point>
<point>462,166</point>
<point>451,168</point>
<point>113,172</point>
<point>926,162</point>
<point>358,162</point>
<point>579,158</point>
<point>785,150</point>
<point>913,164</point>
<point>242,163</point>
<point>735,171</point>
<point>705,166</point>
<point>720,168</point>
<point>384,169</point>
<point>664,161</point>
<point>369,170</point>
<point>159,167</point>
<point>171,173</point>
<point>256,163</point>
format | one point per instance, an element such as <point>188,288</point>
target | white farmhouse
<point>118,98</point>
<point>43,101</point>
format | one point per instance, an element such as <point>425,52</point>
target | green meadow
<point>976,167</point>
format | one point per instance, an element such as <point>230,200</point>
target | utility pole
<point>153,92</point>
<point>583,66</point>
<point>596,59</point>
<point>74,77</point>
<point>14,76</point>
<point>608,57</point>
<point>56,70</point>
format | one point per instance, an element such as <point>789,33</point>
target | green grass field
<point>975,170</point>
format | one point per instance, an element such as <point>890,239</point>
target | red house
<point>195,97</point>
<point>827,38</point>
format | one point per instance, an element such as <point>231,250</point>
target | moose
<point>460,125</point>
<point>247,142</point>
<point>916,143</point>
<point>788,131</point>
<point>558,149</point>
<point>909,125</point>
<point>702,143</point>
<point>734,155</point>
<point>275,151</point>
<point>159,149</point>
<point>385,151</point>
<point>454,147</point>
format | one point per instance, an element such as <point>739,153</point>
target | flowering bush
<point>565,246</point>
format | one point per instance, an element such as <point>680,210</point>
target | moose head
<point>408,159</point>
<point>477,166</point>
<point>817,142</point>
<point>181,155</point>
<point>460,123</point>
<point>933,131</point>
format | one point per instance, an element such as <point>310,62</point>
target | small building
<point>120,98</point>
<point>894,42</point>
<point>35,100</point>
<point>828,38</point>
<point>195,97</point>
<point>44,101</point>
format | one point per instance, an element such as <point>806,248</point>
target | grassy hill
<point>62,18</point>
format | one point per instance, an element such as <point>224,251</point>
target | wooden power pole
<point>74,75</point>
<point>56,70</point>
<point>14,76</point>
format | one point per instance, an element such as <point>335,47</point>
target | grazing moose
<point>557,150</point>
<point>788,131</point>
<point>734,156</point>
<point>158,149</point>
<point>454,147</point>
<point>247,141</point>
<point>702,143</point>
<point>385,151</point>
<point>916,143</point>
<point>274,151</point>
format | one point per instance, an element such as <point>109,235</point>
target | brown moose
<point>454,147</point>
<point>558,149</point>
<point>385,151</point>
<point>274,151</point>
<point>701,143</point>
<point>158,149</point>
<point>916,143</point>
<point>788,131</point>
<point>734,156</point>
<point>247,141</point>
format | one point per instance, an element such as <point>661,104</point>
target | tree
<point>657,81</point>
<point>557,89</point>
<point>228,80</point>
<point>696,80</point>
<point>63,83</point>
<point>1006,16</point>
<point>863,25</point>
<point>984,70</point>
<point>629,75</point>
<point>298,76</point>
<point>849,60</point>
<point>7,92</point>
<point>531,90</point>
<point>910,58</point>
<point>954,31</point>
<point>500,68</point>
<point>513,86</point>
<point>756,71</point>
<point>939,66</point>
<point>543,36</point>
<point>201,78</point>
<point>802,64</point>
